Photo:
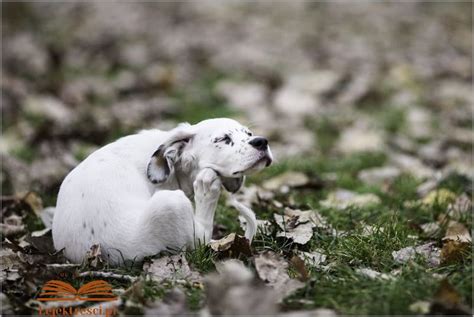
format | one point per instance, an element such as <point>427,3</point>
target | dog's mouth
<point>259,164</point>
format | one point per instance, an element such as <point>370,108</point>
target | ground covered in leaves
<point>368,207</point>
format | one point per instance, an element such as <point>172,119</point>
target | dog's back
<point>101,192</point>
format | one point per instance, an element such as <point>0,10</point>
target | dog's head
<point>224,145</point>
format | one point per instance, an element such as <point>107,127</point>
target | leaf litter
<point>432,135</point>
<point>298,225</point>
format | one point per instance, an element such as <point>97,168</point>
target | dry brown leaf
<point>272,269</point>
<point>34,201</point>
<point>447,294</point>
<point>456,243</point>
<point>341,199</point>
<point>461,206</point>
<point>287,179</point>
<point>231,246</point>
<point>172,268</point>
<point>456,231</point>
<point>298,225</point>
<point>448,301</point>
<point>299,265</point>
<point>454,251</point>
<point>94,256</point>
<point>232,291</point>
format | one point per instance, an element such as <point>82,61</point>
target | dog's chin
<point>255,167</point>
<point>258,166</point>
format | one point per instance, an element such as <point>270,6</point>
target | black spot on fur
<point>92,231</point>
<point>82,195</point>
<point>105,224</point>
<point>84,225</point>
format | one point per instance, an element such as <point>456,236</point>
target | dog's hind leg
<point>167,224</point>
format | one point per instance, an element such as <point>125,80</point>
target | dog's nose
<point>259,143</point>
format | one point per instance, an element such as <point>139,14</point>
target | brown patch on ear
<point>232,185</point>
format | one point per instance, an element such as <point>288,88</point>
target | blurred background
<point>319,79</point>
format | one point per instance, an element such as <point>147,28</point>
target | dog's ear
<point>232,185</point>
<point>161,164</point>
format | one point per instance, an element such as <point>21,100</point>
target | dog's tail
<point>249,216</point>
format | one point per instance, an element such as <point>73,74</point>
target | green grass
<point>395,223</point>
<point>25,153</point>
<point>337,285</point>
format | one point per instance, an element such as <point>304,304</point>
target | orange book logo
<point>96,291</point>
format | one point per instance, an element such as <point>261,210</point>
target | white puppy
<point>133,196</point>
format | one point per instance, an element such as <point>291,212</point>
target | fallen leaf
<point>252,194</point>
<point>374,274</point>
<point>232,291</point>
<point>12,226</point>
<point>231,246</point>
<point>173,303</point>
<point>457,232</point>
<point>172,268</point>
<point>298,225</point>
<point>429,251</point>
<point>379,175</point>
<point>34,202</point>
<point>430,229</point>
<point>448,301</point>
<point>439,197</point>
<point>420,307</point>
<point>342,199</point>
<point>42,241</point>
<point>460,207</point>
<point>7,308</point>
<point>411,165</point>
<point>9,265</point>
<point>447,294</point>
<point>454,251</point>
<point>287,179</point>
<point>360,138</point>
<point>456,243</point>
<point>8,259</point>
<point>272,269</point>
<point>94,256</point>
<point>299,265</point>
<point>314,258</point>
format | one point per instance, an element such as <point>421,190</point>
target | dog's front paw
<point>207,184</point>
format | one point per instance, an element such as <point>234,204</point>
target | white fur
<point>109,198</point>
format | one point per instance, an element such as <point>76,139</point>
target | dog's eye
<point>226,138</point>
<point>249,133</point>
